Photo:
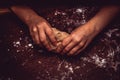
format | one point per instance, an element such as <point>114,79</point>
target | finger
<point>86,44</point>
<point>78,52</point>
<point>43,38</point>
<point>69,46</point>
<point>59,48</point>
<point>51,35</point>
<point>76,48</point>
<point>65,42</point>
<point>75,41</point>
<point>34,34</point>
<point>82,48</point>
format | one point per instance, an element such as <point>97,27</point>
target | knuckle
<point>39,25</point>
<point>67,49</point>
<point>81,44</point>
<point>42,40</point>
<point>50,32</point>
<point>64,43</point>
<point>76,39</point>
<point>42,23</point>
<point>34,29</point>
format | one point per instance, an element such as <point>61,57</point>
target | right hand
<point>41,31</point>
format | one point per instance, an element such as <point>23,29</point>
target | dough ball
<point>59,35</point>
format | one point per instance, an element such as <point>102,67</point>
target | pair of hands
<point>41,30</point>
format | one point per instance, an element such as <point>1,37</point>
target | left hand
<point>78,40</point>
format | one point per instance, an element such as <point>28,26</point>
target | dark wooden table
<point>21,59</point>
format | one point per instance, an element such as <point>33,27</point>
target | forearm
<point>103,17</point>
<point>24,13</point>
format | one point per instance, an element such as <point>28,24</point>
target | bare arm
<point>83,35</point>
<point>25,13</point>
<point>40,29</point>
<point>104,16</point>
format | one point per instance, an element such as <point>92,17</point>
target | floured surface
<point>100,61</point>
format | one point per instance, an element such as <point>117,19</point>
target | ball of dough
<point>59,35</point>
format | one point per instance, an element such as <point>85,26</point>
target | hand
<point>41,31</point>
<point>78,40</point>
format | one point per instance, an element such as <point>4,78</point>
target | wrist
<point>96,24</point>
<point>26,14</point>
<point>92,28</point>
